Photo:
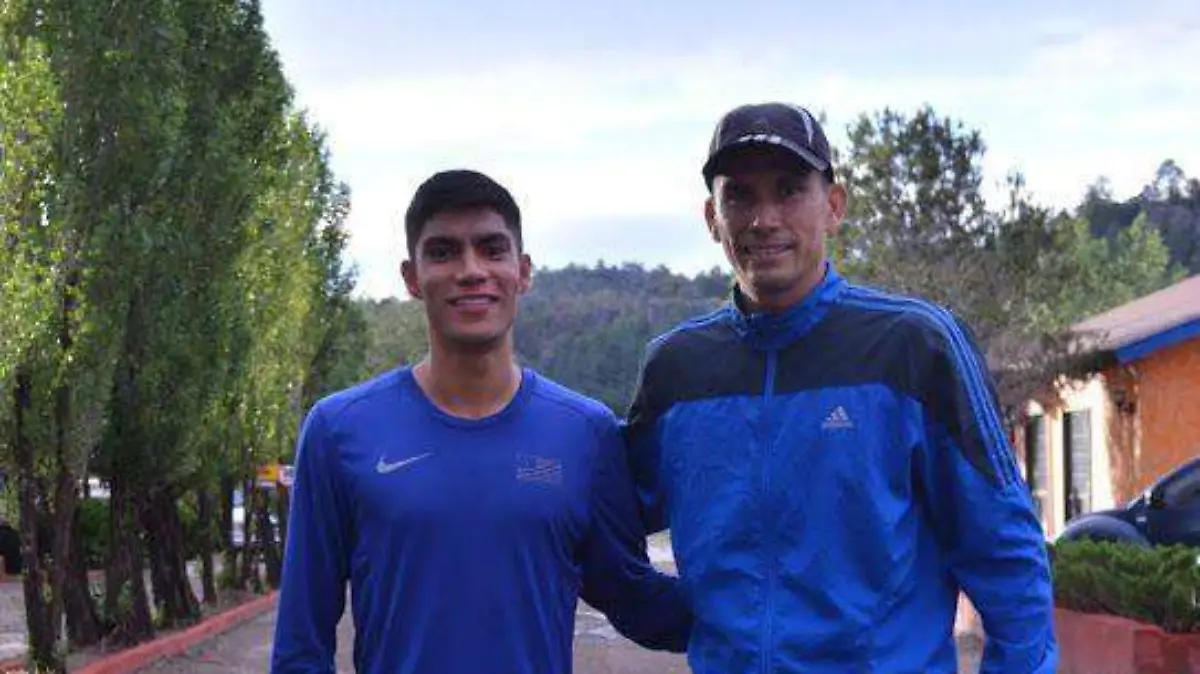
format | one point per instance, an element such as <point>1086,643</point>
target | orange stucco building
<point>1109,436</point>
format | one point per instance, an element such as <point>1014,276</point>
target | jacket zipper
<point>768,534</point>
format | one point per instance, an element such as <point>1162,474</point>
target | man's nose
<point>471,272</point>
<point>768,215</point>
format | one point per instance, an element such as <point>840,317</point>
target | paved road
<point>598,647</point>
<point>13,636</point>
<point>12,619</point>
<point>598,650</point>
<point>246,650</point>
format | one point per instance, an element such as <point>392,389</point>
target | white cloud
<point>623,138</point>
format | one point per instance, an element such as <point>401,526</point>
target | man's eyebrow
<point>493,237</point>
<point>440,241</point>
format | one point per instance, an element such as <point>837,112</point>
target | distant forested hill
<point>1171,204</point>
<point>586,327</point>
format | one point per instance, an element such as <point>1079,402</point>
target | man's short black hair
<point>455,189</point>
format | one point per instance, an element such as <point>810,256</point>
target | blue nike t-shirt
<point>465,543</point>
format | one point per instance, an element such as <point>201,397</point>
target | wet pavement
<point>598,650</point>
<point>12,619</point>
<point>247,648</point>
<point>598,647</point>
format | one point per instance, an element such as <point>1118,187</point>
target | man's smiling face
<point>469,272</point>
<point>772,214</point>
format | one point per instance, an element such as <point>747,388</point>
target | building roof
<point>1149,323</point>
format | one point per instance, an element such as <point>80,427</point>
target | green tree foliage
<point>31,253</point>
<point>587,328</point>
<point>395,333</point>
<point>1169,205</point>
<point>170,266</point>
<point>1018,276</point>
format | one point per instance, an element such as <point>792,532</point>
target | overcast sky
<point>597,114</point>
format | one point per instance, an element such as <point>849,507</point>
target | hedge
<point>1155,585</point>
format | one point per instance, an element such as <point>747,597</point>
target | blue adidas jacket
<point>832,477</point>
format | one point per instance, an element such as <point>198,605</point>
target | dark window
<point>1077,460</point>
<point>1183,490</point>
<point>1036,461</point>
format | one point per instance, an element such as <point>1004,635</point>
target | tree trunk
<point>65,497</point>
<point>230,571</point>
<point>155,551</point>
<point>270,549</point>
<point>43,631</point>
<point>177,547</point>
<point>125,597</point>
<point>204,504</point>
<point>282,510</point>
<point>83,625</point>
<point>173,591</point>
<point>249,570</point>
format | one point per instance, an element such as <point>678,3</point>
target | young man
<point>829,458</point>
<point>467,501</point>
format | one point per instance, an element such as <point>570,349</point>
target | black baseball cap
<point>781,125</point>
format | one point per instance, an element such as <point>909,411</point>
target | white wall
<point>1086,395</point>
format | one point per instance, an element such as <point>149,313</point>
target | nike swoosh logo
<point>384,467</point>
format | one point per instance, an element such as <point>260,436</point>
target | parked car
<point>10,549</point>
<point>1168,513</point>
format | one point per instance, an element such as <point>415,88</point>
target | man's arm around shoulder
<point>642,603</point>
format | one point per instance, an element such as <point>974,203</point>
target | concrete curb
<point>143,655</point>
<point>140,656</point>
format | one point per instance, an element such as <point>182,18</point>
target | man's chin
<point>476,340</point>
<point>770,282</point>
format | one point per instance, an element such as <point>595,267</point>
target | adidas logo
<point>837,419</point>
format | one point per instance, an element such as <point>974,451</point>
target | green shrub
<point>190,521</point>
<point>1155,585</point>
<point>93,531</point>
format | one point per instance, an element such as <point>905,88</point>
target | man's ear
<point>408,271</point>
<point>526,273</point>
<point>837,206</point>
<point>710,218</point>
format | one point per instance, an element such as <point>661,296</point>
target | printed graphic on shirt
<point>538,469</point>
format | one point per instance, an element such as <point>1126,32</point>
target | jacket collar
<point>776,330</point>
